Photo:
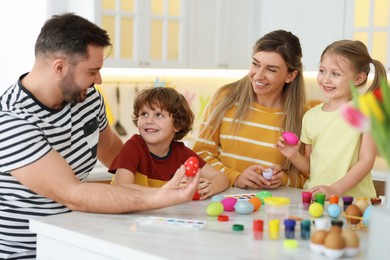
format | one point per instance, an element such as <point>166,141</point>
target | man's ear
<point>59,67</point>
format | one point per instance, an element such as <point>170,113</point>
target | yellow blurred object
<point>109,113</point>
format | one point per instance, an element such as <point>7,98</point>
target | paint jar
<point>320,198</point>
<point>258,225</point>
<point>276,208</point>
<point>333,199</point>
<point>305,229</point>
<point>376,201</point>
<point>289,228</point>
<point>347,200</point>
<point>306,199</point>
<point>273,228</point>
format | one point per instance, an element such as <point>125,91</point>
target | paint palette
<point>152,223</point>
<point>240,196</point>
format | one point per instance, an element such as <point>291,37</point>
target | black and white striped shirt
<point>28,131</point>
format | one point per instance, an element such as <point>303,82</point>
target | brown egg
<point>353,210</point>
<point>334,241</point>
<point>351,238</point>
<point>318,237</point>
<point>336,229</point>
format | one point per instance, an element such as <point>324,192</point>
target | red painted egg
<point>192,166</point>
<point>196,196</point>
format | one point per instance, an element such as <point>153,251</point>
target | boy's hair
<point>69,35</point>
<point>170,100</point>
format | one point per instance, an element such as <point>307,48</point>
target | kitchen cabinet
<point>222,33</point>
<point>144,33</point>
<point>315,22</point>
<point>369,22</point>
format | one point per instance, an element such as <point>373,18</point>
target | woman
<point>245,118</point>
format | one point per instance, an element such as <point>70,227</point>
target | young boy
<point>150,158</point>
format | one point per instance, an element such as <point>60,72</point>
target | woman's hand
<point>251,178</point>
<point>276,179</point>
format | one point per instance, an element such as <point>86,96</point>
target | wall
<point>19,26</point>
<point>197,86</point>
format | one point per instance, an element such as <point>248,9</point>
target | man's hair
<point>69,34</point>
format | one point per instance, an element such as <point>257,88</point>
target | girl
<point>151,158</point>
<point>338,157</point>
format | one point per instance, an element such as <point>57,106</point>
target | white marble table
<point>79,235</point>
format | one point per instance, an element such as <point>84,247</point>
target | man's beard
<point>72,93</point>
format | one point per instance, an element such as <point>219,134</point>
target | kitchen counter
<point>79,235</point>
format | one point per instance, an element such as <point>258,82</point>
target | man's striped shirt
<point>28,131</point>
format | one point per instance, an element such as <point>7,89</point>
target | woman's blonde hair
<point>241,92</point>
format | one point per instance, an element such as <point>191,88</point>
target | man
<point>53,129</point>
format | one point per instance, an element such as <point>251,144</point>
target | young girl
<point>338,157</point>
<point>163,117</point>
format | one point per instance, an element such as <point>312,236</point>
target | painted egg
<point>268,173</point>
<point>353,211</point>
<point>263,194</point>
<point>290,138</point>
<point>334,210</point>
<point>366,216</point>
<point>228,203</point>
<point>256,202</point>
<point>214,208</point>
<point>316,210</point>
<point>196,196</point>
<point>243,207</point>
<point>217,198</point>
<point>192,166</point>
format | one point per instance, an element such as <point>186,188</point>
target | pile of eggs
<point>358,210</point>
<point>220,204</point>
<point>335,242</point>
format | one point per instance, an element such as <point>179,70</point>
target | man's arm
<point>109,146</point>
<point>52,177</point>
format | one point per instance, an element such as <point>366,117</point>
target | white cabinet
<point>317,23</point>
<point>369,22</point>
<point>222,33</point>
<point>145,33</point>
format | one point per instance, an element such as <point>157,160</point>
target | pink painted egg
<point>290,138</point>
<point>228,203</point>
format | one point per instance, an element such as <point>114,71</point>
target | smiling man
<point>53,129</point>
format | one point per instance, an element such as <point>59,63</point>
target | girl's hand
<point>251,178</point>
<point>286,149</point>
<point>327,190</point>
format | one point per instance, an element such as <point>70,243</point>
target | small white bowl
<point>333,253</point>
<point>317,248</point>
